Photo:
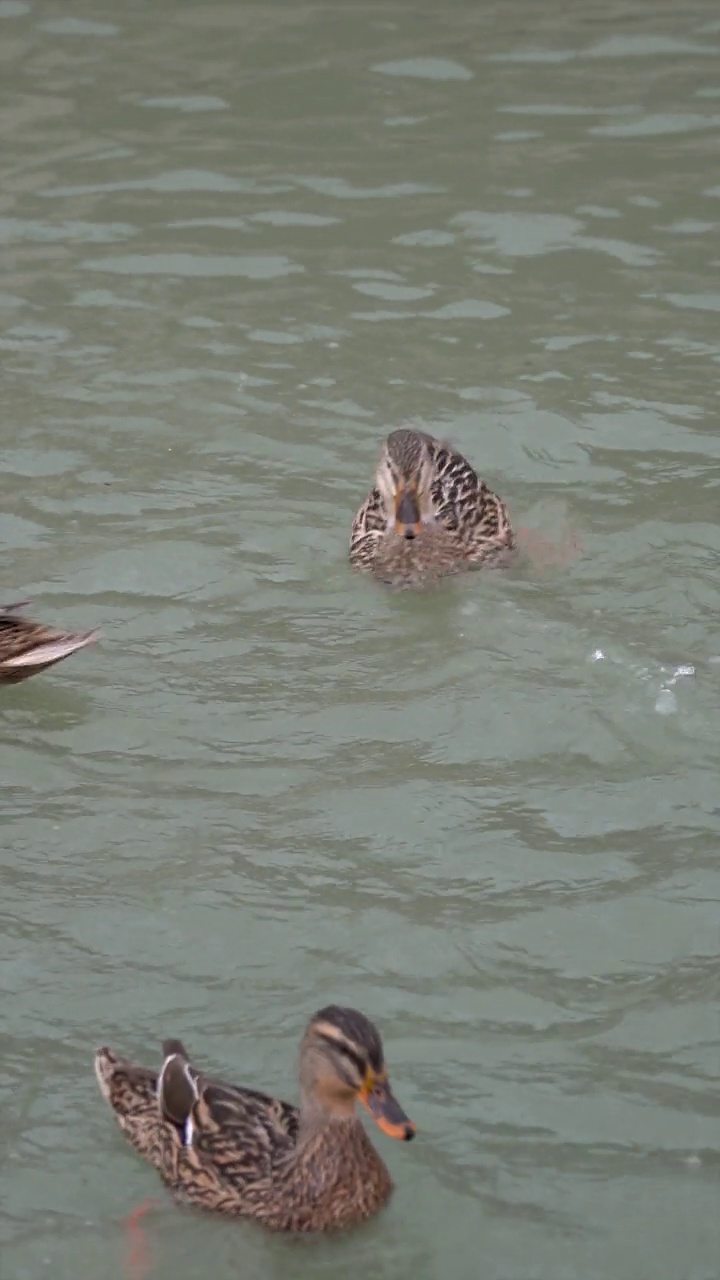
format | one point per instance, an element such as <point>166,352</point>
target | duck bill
<point>407,514</point>
<point>380,1102</point>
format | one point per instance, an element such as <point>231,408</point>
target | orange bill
<point>380,1102</point>
<point>407,514</point>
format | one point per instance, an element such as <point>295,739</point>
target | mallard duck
<point>241,1152</point>
<point>428,514</point>
<point>27,647</point>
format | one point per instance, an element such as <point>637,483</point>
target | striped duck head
<point>341,1063</point>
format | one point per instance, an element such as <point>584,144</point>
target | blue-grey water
<point>239,243</point>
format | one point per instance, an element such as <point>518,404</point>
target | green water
<point>239,244</point>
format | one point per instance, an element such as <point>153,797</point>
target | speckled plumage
<point>243,1153</point>
<point>461,522</point>
<point>27,647</point>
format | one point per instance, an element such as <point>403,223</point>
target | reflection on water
<point>239,245</point>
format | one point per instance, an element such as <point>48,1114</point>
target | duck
<point>241,1152</point>
<point>27,647</point>
<point>428,514</point>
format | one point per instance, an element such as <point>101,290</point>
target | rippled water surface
<point>240,243</point>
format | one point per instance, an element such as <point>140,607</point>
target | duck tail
<point>49,648</point>
<point>130,1090</point>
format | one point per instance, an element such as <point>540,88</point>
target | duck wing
<point>368,528</point>
<point>466,505</point>
<point>180,1086</point>
<point>241,1132</point>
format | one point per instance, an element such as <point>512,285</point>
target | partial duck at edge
<point>28,647</point>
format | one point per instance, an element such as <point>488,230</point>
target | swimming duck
<point>306,1168</point>
<point>27,647</point>
<point>428,514</point>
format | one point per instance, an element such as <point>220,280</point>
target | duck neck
<point>315,1119</point>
